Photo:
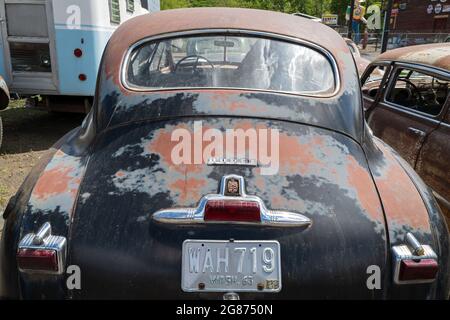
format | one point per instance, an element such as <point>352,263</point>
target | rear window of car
<point>226,61</point>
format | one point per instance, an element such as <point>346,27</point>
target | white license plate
<point>223,266</point>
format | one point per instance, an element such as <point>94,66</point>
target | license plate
<point>225,266</point>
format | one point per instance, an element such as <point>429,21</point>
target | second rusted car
<point>225,156</point>
<point>406,94</point>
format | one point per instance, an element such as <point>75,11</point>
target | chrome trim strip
<point>276,218</point>
<point>232,162</point>
<point>44,240</point>
<point>440,198</point>
<point>125,62</point>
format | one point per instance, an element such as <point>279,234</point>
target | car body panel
<point>432,163</point>
<point>361,63</point>
<point>314,164</point>
<point>406,131</point>
<point>408,207</point>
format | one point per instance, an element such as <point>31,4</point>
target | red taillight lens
<point>82,77</point>
<point>232,210</point>
<point>37,259</point>
<point>424,269</point>
<point>78,52</point>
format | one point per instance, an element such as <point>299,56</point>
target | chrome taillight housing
<point>232,205</point>
<point>42,252</point>
<point>414,262</point>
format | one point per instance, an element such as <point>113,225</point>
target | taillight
<point>424,269</point>
<point>42,252</point>
<point>82,77</point>
<point>232,204</point>
<point>77,52</point>
<point>414,262</point>
<point>232,210</point>
<point>37,260</point>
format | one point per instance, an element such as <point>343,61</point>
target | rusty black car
<point>226,156</point>
<point>406,93</point>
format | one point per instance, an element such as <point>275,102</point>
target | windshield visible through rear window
<point>230,62</point>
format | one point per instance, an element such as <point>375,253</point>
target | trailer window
<point>26,20</point>
<point>30,57</point>
<point>231,62</point>
<point>114,11</point>
<point>130,5</point>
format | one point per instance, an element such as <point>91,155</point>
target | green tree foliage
<point>311,7</point>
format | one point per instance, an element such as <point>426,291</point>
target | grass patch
<point>4,196</point>
<point>19,103</point>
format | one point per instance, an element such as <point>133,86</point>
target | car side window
<point>419,91</point>
<point>371,84</point>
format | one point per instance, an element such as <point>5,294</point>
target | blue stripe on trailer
<point>92,43</point>
<point>3,72</point>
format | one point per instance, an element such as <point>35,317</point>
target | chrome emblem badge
<point>232,188</point>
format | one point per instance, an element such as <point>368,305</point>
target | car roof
<point>436,55</point>
<point>181,20</point>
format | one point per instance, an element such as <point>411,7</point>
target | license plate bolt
<point>260,286</point>
<point>201,286</point>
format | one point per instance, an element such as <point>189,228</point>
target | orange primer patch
<point>189,189</point>
<point>120,174</point>
<point>401,200</point>
<point>359,178</point>
<point>297,157</point>
<point>53,182</point>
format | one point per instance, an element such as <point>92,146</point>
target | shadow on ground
<point>26,129</point>
<point>27,133</point>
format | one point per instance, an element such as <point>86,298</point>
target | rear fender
<point>409,206</point>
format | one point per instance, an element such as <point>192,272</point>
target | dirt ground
<point>27,133</point>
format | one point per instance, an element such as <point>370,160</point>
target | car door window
<point>371,83</point>
<point>419,91</point>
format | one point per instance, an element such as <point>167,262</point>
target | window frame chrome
<point>236,32</point>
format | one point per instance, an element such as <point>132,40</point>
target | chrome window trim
<point>240,32</point>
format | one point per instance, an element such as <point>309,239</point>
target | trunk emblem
<point>232,205</point>
<point>233,188</point>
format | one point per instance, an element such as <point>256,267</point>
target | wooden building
<point>421,16</point>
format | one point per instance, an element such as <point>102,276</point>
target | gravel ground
<point>27,134</point>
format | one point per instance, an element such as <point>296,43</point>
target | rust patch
<point>436,54</point>
<point>401,200</point>
<point>52,182</point>
<point>188,188</point>
<point>359,178</point>
<point>296,156</point>
<point>120,174</point>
